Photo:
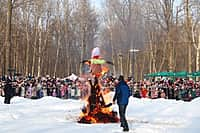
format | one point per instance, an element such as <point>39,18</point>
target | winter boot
<point>125,129</point>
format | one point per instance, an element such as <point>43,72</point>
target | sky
<point>53,115</point>
<point>97,3</point>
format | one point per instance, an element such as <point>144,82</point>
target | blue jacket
<point>122,93</point>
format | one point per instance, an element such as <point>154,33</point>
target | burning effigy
<point>96,110</point>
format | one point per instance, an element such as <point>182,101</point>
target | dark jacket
<point>122,93</point>
<point>9,90</point>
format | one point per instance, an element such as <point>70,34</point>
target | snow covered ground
<point>53,115</point>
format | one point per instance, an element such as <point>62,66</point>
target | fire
<point>104,70</point>
<point>98,109</point>
<point>99,116</point>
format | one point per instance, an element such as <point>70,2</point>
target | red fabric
<point>96,57</point>
<point>96,69</point>
<point>144,93</point>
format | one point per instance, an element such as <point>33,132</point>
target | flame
<point>104,70</point>
<point>107,110</point>
<point>100,113</point>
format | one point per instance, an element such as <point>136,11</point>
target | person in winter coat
<point>122,94</point>
<point>9,91</point>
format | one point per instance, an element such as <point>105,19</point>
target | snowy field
<point>53,115</point>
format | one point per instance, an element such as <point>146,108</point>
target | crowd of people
<point>37,87</point>
<point>34,88</point>
<point>179,89</point>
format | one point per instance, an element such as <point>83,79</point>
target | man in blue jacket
<point>122,94</point>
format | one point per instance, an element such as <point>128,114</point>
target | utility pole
<point>132,61</point>
<point>121,63</point>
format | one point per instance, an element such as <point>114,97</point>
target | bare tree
<point>192,19</point>
<point>26,16</point>
<point>8,43</point>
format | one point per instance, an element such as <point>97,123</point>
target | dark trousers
<point>7,99</point>
<point>122,114</point>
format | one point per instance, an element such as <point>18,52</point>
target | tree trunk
<point>39,54</point>
<point>163,59</point>
<point>189,58</point>
<point>16,61</point>
<point>44,56</point>
<point>68,62</point>
<point>83,48</point>
<point>197,60</point>
<point>153,57</point>
<point>113,52</point>
<point>128,66</point>
<point>171,57</point>
<point>142,68</point>
<point>198,56</point>
<point>150,62</point>
<point>27,48</point>
<point>58,46</point>
<point>113,60</point>
<point>8,43</point>
<point>120,63</point>
<point>131,63</point>
<point>57,55</point>
<point>35,46</point>
<point>188,28</point>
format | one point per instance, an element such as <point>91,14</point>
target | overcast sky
<point>97,3</point>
